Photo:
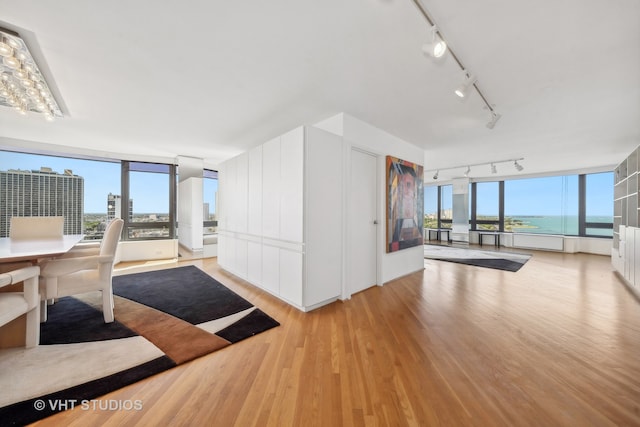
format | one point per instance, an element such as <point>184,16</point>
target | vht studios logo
<point>88,405</point>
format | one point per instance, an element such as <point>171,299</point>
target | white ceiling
<point>211,79</point>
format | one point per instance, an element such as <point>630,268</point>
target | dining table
<point>32,249</point>
<point>16,253</point>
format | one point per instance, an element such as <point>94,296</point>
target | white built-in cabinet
<point>281,216</point>
<point>625,255</point>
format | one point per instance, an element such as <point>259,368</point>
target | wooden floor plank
<point>556,344</point>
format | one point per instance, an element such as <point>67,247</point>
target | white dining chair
<point>76,275</point>
<point>15,304</point>
<point>36,227</point>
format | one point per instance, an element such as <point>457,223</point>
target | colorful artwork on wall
<point>405,204</point>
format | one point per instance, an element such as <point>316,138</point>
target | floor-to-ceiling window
<point>84,191</point>
<point>89,193</point>
<point>150,190</point>
<point>446,206</point>
<point>546,205</point>
<point>598,210</point>
<point>485,198</point>
<point>576,205</point>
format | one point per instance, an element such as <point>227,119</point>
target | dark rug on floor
<point>499,260</point>
<point>185,293</point>
<point>498,264</point>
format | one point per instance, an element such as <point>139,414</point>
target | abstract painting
<point>405,204</point>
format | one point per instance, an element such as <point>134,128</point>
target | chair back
<point>111,237</point>
<point>36,227</point>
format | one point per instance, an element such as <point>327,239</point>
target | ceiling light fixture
<point>22,85</point>
<point>437,48</point>
<point>494,119</point>
<point>494,169</point>
<point>462,90</point>
<point>429,19</point>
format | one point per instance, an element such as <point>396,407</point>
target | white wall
<point>357,133</point>
<point>190,203</point>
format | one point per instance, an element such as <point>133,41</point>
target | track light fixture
<point>494,118</point>
<point>462,90</point>
<point>494,169</point>
<point>437,33</point>
<point>437,48</point>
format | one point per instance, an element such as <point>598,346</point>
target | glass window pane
<point>542,205</point>
<point>599,197</point>
<point>431,207</point>
<point>77,189</point>
<point>446,205</point>
<point>210,198</point>
<point>488,205</point>
<point>149,193</point>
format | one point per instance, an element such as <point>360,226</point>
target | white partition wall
<point>281,217</point>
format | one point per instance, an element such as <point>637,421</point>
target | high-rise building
<point>114,207</point>
<point>42,193</point>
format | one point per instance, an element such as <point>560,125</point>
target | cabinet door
<point>271,189</point>
<point>291,276</point>
<point>271,269</point>
<point>292,185</point>
<point>629,262</point>
<point>254,263</point>
<point>255,192</point>
<point>241,193</point>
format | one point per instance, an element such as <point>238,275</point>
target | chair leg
<point>33,327</point>
<point>107,306</point>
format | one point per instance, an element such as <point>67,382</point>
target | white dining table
<point>12,250</point>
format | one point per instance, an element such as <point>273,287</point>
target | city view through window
<point>95,198</point>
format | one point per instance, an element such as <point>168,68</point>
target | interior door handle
<point>375,222</point>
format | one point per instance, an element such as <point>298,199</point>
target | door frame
<point>350,148</point>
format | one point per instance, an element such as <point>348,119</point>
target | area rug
<point>507,261</point>
<point>163,318</point>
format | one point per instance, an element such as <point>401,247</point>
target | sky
<point>102,178</point>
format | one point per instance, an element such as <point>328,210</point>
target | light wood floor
<point>557,343</point>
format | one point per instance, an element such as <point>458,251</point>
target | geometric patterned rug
<point>163,318</point>
<point>507,261</point>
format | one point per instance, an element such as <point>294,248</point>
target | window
<point>486,198</point>
<point>39,185</point>
<point>547,205</point>
<point>210,199</point>
<point>598,195</point>
<point>149,189</point>
<point>446,206</point>
<point>578,205</point>
<point>431,207</point>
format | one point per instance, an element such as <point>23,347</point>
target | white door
<point>362,222</point>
